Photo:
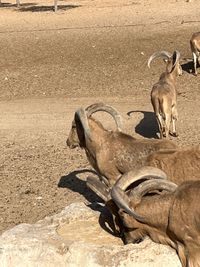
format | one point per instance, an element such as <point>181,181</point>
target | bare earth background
<point>51,64</point>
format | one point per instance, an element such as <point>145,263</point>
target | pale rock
<point>73,238</point>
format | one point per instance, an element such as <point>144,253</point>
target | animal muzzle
<point>71,145</point>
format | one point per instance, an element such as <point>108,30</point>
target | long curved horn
<point>118,191</point>
<point>106,108</point>
<point>162,54</point>
<point>99,188</point>
<point>151,185</point>
<point>144,173</point>
<point>92,108</point>
<point>122,200</point>
<point>81,116</point>
<point>176,56</point>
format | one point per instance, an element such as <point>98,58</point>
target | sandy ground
<point>53,63</point>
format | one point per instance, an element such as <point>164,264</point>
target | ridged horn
<point>80,114</point>
<point>99,188</point>
<point>158,54</point>
<point>118,191</point>
<point>106,108</point>
<point>122,200</point>
<point>151,185</point>
<point>146,172</point>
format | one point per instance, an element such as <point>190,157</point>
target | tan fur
<point>164,100</point>
<point>172,219</point>
<point>195,48</point>
<point>180,165</point>
<point>112,153</point>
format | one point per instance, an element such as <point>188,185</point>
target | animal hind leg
<point>160,124</point>
<point>167,121</point>
<point>174,121</point>
<point>195,63</point>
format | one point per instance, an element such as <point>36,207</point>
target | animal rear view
<point>164,93</point>
<point>195,48</point>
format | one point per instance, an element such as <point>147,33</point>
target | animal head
<point>146,179</point>
<point>80,129</point>
<point>172,61</point>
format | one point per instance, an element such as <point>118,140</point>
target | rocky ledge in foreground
<point>74,237</point>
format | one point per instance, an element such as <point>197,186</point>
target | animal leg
<point>167,121</point>
<point>174,120</point>
<point>195,63</point>
<point>182,254</point>
<point>160,124</point>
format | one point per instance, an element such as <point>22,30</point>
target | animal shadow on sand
<point>9,5</point>
<point>148,126</point>
<point>37,8</point>
<point>188,66</point>
<point>74,183</point>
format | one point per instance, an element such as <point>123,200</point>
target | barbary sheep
<point>195,48</point>
<point>111,153</point>
<point>180,165</point>
<point>167,213</point>
<point>164,93</point>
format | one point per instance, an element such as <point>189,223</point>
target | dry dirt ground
<point>51,64</point>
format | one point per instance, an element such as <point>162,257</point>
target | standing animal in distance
<point>195,48</point>
<point>164,93</point>
<point>171,217</point>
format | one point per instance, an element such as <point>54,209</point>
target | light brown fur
<point>195,48</point>
<point>180,165</point>
<point>112,153</point>
<point>172,219</point>
<point>164,100</point>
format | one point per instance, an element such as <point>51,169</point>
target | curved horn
<point>81,116</point>
<point>162,54</point>
<point>150,185</point>
<point>123,201</point>
<point>99,188</point>
<point>106,108</point>
<point>92,108</point>
<point>118,191</point>
<point>146,173</point>
<point>176,56</point>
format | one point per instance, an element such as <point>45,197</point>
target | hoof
<point>174,134</point>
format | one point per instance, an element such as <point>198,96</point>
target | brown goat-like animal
<point>180,165</point>
<point>171,217</point>
<point>111,153</point>
<point>164,93</point>
<point>195,48</point>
